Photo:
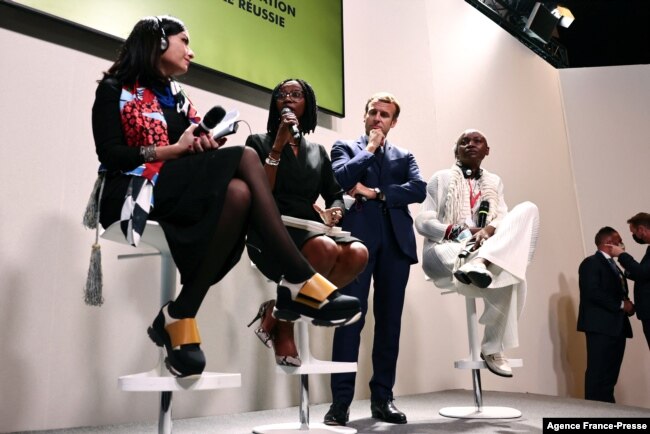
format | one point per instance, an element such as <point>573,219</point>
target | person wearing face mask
<point>603,316</point>
<point>206,196</point>
<point>299,172</point>
<point>475,246</point>
<point>384,179</point>
<point>639,272</point>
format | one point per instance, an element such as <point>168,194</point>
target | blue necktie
<point>620,275</point>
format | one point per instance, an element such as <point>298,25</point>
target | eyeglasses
<point>294,95</point>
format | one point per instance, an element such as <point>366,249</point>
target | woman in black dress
<point>300,172</point>
<point>206,197</point>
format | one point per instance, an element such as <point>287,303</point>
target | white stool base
<point>291,428</point>
<point>483,413</point>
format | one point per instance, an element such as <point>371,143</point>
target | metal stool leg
<point>165,415</point>
<point>478,411</point>
<point>474,350</point>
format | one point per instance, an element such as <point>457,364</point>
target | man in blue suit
<point>603,316</point>
<point>384,179</point>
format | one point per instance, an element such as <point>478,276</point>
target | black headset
<point>469,173</point>
<point>164,42</point>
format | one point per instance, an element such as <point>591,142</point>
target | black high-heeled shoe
<point>181,340</point>
<point>277,335</point>
<point>263,332</point>
<point>319,301</point>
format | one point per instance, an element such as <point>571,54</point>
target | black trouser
<point>646,330</point>
<point>604,358</point>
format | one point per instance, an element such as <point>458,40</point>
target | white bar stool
<point>310,365</point>
<point>478,411</point>
<point>159,379</point>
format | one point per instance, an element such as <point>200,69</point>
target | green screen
<point>258,41</point>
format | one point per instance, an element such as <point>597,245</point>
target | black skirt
<point>266,261</point>
<point>188,199</point>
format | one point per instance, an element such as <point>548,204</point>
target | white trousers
<point>509,252</point>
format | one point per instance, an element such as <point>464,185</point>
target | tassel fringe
<point>90,219</point>
<point>94,282</point>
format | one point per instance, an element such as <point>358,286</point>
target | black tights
<point>248,201</point>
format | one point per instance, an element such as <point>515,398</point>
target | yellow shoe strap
<point>183,332</point>
<point>315,291</point>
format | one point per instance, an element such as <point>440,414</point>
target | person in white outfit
<point>475,246</point>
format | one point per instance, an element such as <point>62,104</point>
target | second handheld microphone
<point>210,120</point>
<point>483,210</point>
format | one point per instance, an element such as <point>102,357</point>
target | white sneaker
<point>476,273</point>
<point>497,363</point>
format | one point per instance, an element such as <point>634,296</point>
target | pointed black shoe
<point>319,301</point>
<point>338,414</point>
<point>386,411</point>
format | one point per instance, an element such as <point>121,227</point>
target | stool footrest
<point>480,364</point>
<point>152,381</point>
<point>315,366</point>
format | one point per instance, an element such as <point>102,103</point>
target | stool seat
<point>159,379</point>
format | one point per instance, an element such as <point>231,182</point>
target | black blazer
<point>640,273</point>
<point>601,294</point>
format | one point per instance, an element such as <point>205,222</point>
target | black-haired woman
<point>300,172</point>
<point>206,197</point>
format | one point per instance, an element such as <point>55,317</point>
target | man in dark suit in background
<point>603,316</point>
<point>384,179</point>
<point>639,272</point>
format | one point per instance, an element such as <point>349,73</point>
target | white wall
<point>607,111</point>
<point>451,68</point>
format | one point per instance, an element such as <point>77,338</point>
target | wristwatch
<point>380,195</point>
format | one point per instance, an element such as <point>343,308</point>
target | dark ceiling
<point>607,32</point>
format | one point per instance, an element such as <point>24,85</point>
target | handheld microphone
<point>483,210</point>
<point>294,128</point>
<point>210,120</point>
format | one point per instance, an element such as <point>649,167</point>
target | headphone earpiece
<point>164,42</point>
<point>467,172</point>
